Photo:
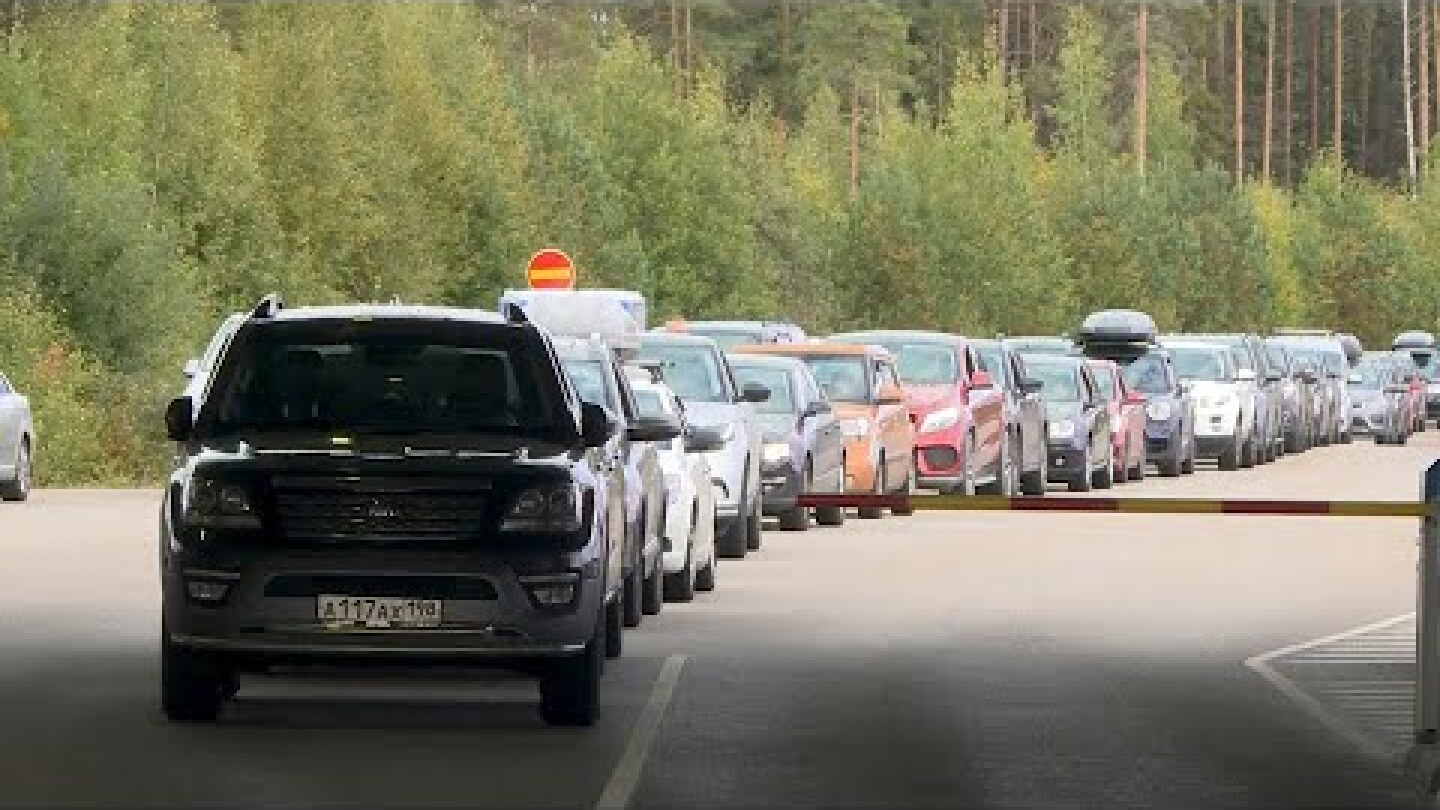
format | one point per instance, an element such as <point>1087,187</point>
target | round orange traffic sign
<point>550,269</point>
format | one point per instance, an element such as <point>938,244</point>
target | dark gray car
<point>1080,442</point>
<point>1024,409</point>
<point>17,443</point>
<point>389,485</point>
<point>804,446</point>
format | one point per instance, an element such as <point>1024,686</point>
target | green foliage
<point>162,164</point>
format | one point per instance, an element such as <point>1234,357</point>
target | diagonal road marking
<point>626,776</point>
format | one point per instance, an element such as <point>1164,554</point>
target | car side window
<point>887,374</point>
<point>627,397</point>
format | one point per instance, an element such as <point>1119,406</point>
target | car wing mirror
<point>1245,375</point>
<point>704,439</point>
<point>819,407</point>
<point>654,429</point>
<point>754,392</point>
<point>180,419</point>
<point>1030,385</point>
<point>597,426</point>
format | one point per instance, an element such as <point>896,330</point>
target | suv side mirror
<point>1355,379</point>
<point>597,426</point>
<point>1245,375</point>
<point>982,379</point>
<point>1030,385</point>
<point>180,419</point>
<point>890,395</point>
<point>754,392</point>
<point>1273,377</point>
<point>819,407</point>
<point>654,429</point>
<point>704,439</point>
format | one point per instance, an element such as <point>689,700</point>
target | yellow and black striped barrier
<point>1153,506</point>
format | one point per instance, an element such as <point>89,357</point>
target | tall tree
<point>1338,80</point>
<point>1142,85</point>
<point>1269,122</point>
<point>1239,91</point>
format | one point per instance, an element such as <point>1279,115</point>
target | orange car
<point>862,384</point>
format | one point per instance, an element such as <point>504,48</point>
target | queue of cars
<point>422,485</point>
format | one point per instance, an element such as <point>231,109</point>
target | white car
<point>689,519</point>
<point>1225,426</point>
<point>17,443</point>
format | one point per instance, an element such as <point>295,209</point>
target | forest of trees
<point>974,167</point>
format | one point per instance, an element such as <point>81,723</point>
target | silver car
<point>696,369</point>
<point>17,443</point>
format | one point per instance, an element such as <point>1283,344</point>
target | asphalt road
<point>947,659</point>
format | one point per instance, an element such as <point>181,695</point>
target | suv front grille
<point>317,511</point>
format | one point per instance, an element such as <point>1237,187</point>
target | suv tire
<point>797,518</point>
<point>680,586</point>
<point>630,596</point>
<point>730,543</point>
<point>570,688</point>
<point>193,685</point>
<point>876,512</point>
<point>614,628</point>
<point>652,592</point>
<point>705,577</point>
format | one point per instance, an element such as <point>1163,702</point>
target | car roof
<point>678,338</point>
<point>914,334</point>
<point>817,349</point>
<point>767,361</point>
<point>398,312</point>
<point>1186,343</point>
<point>1071,360</point>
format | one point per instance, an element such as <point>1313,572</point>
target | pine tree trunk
<point>1409,93</point>
<point>1366,94</point>
<point>689,51</point>
<point>1030,32</point>
<point>1142,84</point>
<point>1314,143</point>
<point>1339,83</point>
<point>1289,91</point>
<point>1239,91</point>
<point>1002,38</point>
<point>1424,98</point>
<point>675,65</point>
<point>1267,138</point>
<point>855,142</point>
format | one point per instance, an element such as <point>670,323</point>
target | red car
<point>1415,384</point>
<point>1127,415</point>
<point>961,439</point>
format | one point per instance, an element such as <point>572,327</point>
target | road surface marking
<point>1307,653</point>
<point>631,766</point>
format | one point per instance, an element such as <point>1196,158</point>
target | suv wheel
<point>1104,478</point>
<point>797,518</point>
<point>652,595</point>
<point>1033,482</point>
<point>680,586</point>
<point>18,488</point>
<point>193,685</point>
<point>614,628</point>
<point>705,577</point>
<point>754,531</point>
<point>1082,482</point>
<point>631,599</point>
<point>909,490</point>
<point>570,690</point>
<point>876,512</point>
<point>833,515</point>
<point>730,543</point>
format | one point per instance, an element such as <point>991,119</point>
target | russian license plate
<point>378,613</point>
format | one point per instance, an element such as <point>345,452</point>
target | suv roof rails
<point>268,306</point>
<point>514,314</point>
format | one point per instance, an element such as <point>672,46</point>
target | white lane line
<point>626,776</point>
<point>1260,664</point>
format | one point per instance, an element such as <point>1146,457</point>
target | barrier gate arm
<point>1423,762</point>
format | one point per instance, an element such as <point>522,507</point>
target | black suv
<point>389,484</point>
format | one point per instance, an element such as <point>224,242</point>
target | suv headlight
<point>1159,410</point>
<point>855,428</point>
<point>1063,429</point>
<point>213,504</point>
<point>775,452</point>
<point>548,508</point>
<point>940,420</point>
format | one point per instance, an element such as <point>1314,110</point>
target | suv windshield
<point>776,379</point>
<point>842,377</point>
<point>384,378</point>
<point>1201,363</point>
<point>692,370</point>
<point>1146,373</point>
<point>1059,383</point>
